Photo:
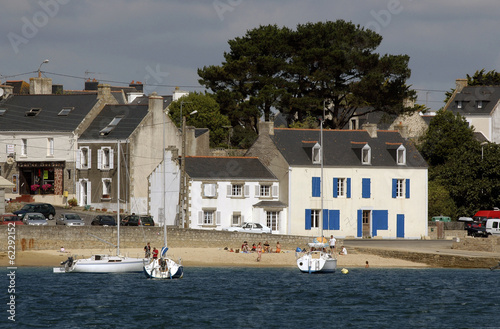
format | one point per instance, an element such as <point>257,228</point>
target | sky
<point>162,43</point>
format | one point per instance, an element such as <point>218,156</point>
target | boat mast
<point>163,188</point>
<point>321,185</point>
<point>118,203</point>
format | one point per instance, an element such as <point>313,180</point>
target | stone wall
<point>87,237</point>
<point>491,244</point>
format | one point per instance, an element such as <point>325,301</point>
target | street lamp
<point>229,135</point>
<point>39,72</point>
<point>183,183</point>
<point>180,118</point>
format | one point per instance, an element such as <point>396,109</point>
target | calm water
<point>258,298</point>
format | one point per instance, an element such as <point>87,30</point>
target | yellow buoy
<point>344,271</point>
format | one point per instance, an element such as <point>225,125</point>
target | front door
<point>366,223</point>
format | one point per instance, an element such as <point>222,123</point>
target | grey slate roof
<point>342,148</point>
<point>47,119</point>
<point>132,116</point>
<point>488,95</point>
<point>241,168</point>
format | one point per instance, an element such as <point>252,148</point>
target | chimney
<point>460,84</point>
<point>371,128</point>
<point>137,85</point>
<point>155,106</point>
<point>266,128</point>
<point>91,85</point>
<point>402,129</point>
<point>40,86</point>
<point>103,91</point>
<point>178,94</point>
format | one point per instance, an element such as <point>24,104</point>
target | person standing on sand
<point>259,252</point>
<point>147,251</point>
<point>332,244</point>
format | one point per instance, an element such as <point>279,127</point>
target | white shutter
<point>229,190</point>
<point>200,217</point>
<point>89,158</point>
<point>78,159</point>
<point>89,193</point>
<point>242,218</point>
<point>217,217</point>
<point>275,191</point>
<point>111,152</point>
<point>99,159</point>
<point>257,190</point>
<point>78,196</point>
<point>214,189</point>
<point>247,190</point>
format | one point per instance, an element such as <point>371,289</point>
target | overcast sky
<point>162,43</point>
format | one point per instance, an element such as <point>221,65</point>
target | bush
<point>72,202</point>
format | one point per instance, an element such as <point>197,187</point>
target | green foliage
<point>440,201</point>
<point>73,202</point>
<point>208,116</point>
<point>492,78</point>
<point>446,134</point>
<point>309,122</point>
<point>296,72</point>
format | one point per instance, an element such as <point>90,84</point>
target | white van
<point>493,226</point>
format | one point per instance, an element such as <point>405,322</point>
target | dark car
<point>46,209</point>
<point>476,227</point>
<point>137,220</point>
<point>103,220</point>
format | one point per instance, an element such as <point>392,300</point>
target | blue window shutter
<point>348,188</point>
<point>308,219</point>
<point>334,219</point>
<point>380,221</point>
<point>335,184</point>
<point>360,223</point>
<point>400,226</point>
<point>326,219</point>
<point>366,193</point>
<point>407,188</point>
<point>394,187</point>
<point>316,186</point>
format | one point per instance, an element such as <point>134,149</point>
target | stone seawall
<point>90,237</point>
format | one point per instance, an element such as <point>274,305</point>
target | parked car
<point>493,226</point>
<point>9,218</point>
<point>137,220</point>
<point>35,218</point>
<point>103,220</point>
<point>249,228</point>
<point>476,228</point>
<point>46,209</point>
<point>70,219</point>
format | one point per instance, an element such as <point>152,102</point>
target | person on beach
<point>254,247</point>
<point>278,247</point>
<point>63,250</point>
<point>259,252</point>
<point>343,251</point>
<point>147,251</point>
<point>155,253</point>
<point>367,265</point>
<point>245,247</point>
<point>332,244</point>
<point>266,247</point>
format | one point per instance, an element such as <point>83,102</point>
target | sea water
<point>257,298</point>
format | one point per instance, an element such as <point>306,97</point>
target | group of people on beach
<point>147,251</point>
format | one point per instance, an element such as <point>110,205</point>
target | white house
<point>221,192</point>
<point>374,182</point>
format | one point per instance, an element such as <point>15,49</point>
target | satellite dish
<point>1,92</point>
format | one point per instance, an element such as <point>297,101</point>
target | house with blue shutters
<point>374,181</point>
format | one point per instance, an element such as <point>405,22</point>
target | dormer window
<point>479,104</point>
<point>316,154</point>
<point>401,155</point>
<point>354,124</point>
<point>33,112</point>
<point>366,155</point>
<point>459,104</point>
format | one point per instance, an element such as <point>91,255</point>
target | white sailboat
<point>105,263</point>
<point>164,267</point>
<point>317,260</point>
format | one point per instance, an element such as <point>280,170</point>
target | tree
<point>492,78</point>
<point>208,116</point>
<point>440,201</point>
<point>325,63</point>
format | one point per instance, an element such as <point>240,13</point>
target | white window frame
<point>107,187</point>
<point>83,159</point>
<point>24,146</point>
<point>315,213</point>
<point>50,146</point>
<point>103,154</point>
<point>263,190</point>
<point>236,219</point>
<point>400,188</point>
<point>401,155</point>
<point>459,104</point>
<point>209,190</point>
<point>238,190</point>
<point>366,155</point>
<point>209,217</point>
<point>273,220</point>
<point>341,187</point>
<point>316,154</point>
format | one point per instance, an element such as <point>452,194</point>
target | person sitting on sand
<point>244,247</point>
<point>63,250</point>
<point>254,247</point>
<point>278,247</point>
<point>343,251</point>
<point>266,247</point>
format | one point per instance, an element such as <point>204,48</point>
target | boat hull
<point>105,264</point>
<point>163,269</point>
<point>317,262</point>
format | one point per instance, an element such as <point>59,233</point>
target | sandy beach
<point>192,257</point>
